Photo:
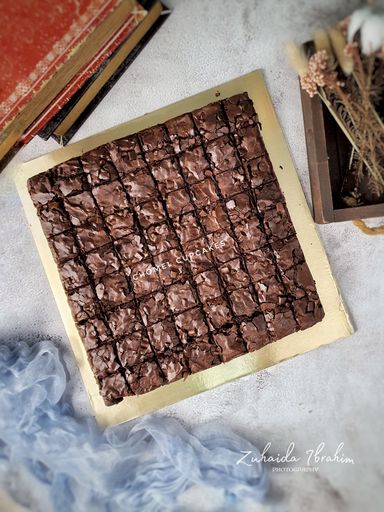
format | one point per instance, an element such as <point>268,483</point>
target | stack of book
<point>59,59</point>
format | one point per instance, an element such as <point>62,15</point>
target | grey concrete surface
<point>332,395</point>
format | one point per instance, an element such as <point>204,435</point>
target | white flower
<point>370,22</point>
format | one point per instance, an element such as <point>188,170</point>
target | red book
<point>36,38</point>
<point>133,20</point>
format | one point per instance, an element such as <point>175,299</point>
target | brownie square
<point>239,207</point>
<point>40,189</point>
<point>140,186</point>
<point>222,154</point>
<point>53,218</point>
<point>187,227</point>
<point>249,142</point>
<point>280,320</point>
<point>204,193</point>
<point>199,255</point>
<point>208,285</point>
<point>102,261</point>
<point>255,332</point>
<point>181,296</point>
<point>240,112</point>
<point>113,290</point>
<point>113,388</point>
<point>154,308</point>
<point>110,197</point>
<point>149,213</point>
<point>233,275</point>
<point>277,223</point>
<point>91,236</point>
<point>71,185</point>
<point>223,246</point>
<point>163,336</point>
<point>167,176</point>
<point>250,234</point>
<point>171,266</point>
<point>155,143</point>
<point>288,253</point>
<point>81,208</point>
<point>268,196</point>
<point>73,274</point>
<point>231,182</point>
<point>299,281</point>
<point>120,224</point>
<point>243,303</point>
<point>195,165</point>
<point>83,303</point>
<point>145,278</point>
<point>131,249</point>
<point>213,218</point>
<point>230,343</point>
<point>210,121</point>
<point>260,171</point>
<point>217,312</point>
<point>103,360</point>
<point>201,354</point>
<point>178,202</point>
<point>63,247</point>
<point>153,139</point>
<point>160,238</point>
<point>181,132</point>
<point>190,324</point>
<point>94,333</point>
<point>123,320</point>
<point>260,264</point>
<point>133,349</point>
<point>173,366</point>
<point>67,169</point>
<point>308,311</point>
<point>144,377</point>
<point>98,166</point>
<point>270,289</point>
<point>125,155</point>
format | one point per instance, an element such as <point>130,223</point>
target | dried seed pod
<point>338,44</point>
<point>297,58</point>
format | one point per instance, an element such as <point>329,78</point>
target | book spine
<point>64,139</point>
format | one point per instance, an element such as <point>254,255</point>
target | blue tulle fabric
<point>145,466</point>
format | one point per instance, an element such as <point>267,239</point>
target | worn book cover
<point>88,71</point>
<point>36,41</point>
<point>44,45</point>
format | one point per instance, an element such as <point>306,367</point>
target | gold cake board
<point>335,324</point>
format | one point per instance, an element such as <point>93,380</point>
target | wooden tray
<point>328,154</point>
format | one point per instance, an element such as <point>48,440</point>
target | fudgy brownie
<point>176,248</point>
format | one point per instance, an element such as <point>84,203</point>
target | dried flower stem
<point>297,58</point>
<point>377,174</point>
<point>338,44</point>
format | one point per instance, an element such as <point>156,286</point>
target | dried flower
<point>338,44</point>
<point>352,103</point>
<point>308,85</point>
<point>319,74</point>
<point>297,57</point>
